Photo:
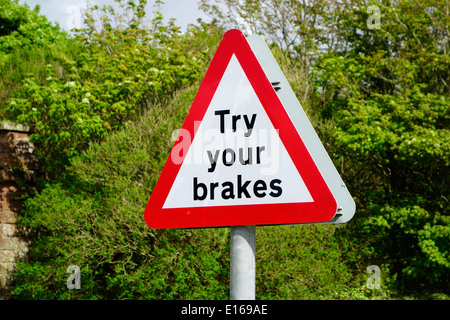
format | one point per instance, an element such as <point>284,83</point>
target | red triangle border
<point>322,209</point>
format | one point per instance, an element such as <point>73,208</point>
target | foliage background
<point>105,102</point>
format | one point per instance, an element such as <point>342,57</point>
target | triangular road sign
<point>238,159</point>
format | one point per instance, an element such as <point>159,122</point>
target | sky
<point>68,12</point>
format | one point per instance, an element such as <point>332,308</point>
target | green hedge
<point>94,219</point>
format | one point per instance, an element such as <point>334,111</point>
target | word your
<point>74,281</point>
<point>373,282</point>
<point>229,157</point>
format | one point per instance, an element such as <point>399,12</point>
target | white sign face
<point>236,157</point>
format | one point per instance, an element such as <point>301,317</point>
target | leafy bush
<point>94,219</point>
<point>378,97</point>
<point>389,128</point>
<point>122,70</point>
<point>381,106</point>
<point>28,43</point>
<point>300,262</point>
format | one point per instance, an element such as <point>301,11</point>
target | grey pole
<point>242,263</point>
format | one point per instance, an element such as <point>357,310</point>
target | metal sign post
<point>242,263</point>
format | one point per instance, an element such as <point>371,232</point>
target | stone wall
<point>17,163</point>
